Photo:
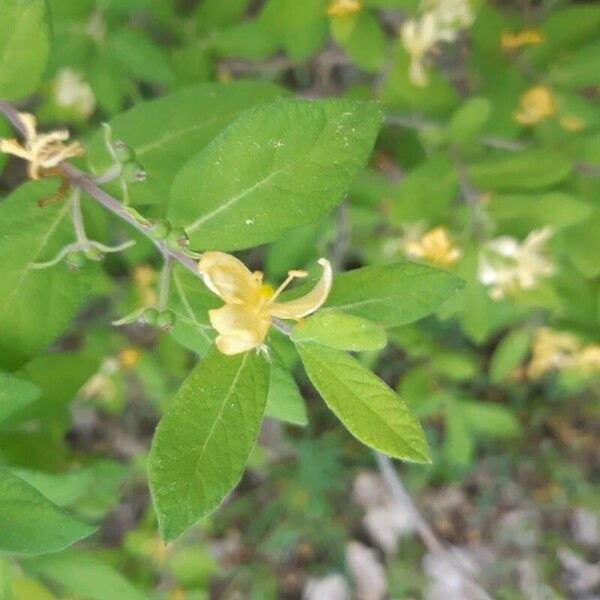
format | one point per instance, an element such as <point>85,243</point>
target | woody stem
<point>164,283</point>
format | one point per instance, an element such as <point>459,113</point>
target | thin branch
<point>426,533</point>
<point>165,283</point>
<point>89,186</point>
<point>417,122</point>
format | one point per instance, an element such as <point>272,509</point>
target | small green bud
<point>92,253</point>
<point>123,152</point>
<point>178,238</point>
<point>75,260</point>
<point>159,229</point>
<point>133,172</point>
<point>150,316</point>
<point>166,320</point>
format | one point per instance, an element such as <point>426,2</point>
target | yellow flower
<point>435,247</point>
<point>526,37</point>
<point>551,350</point>
<point>250,304</point>
<point>572,123</point>
<point>536,104</point>
<point>128,357</point>
<point>344,8</point>
<point>44,151</point>
<point>588,360</point>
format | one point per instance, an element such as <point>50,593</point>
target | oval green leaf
<point>276,167</point>
<point>31,524</point>
<point>165,132</point>
<point>202,443</point>
<point>24,46</point>
<point>368,408</point>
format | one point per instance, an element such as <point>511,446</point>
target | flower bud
<point>92,253</point>
<point>75,260</point>
<point>178,238</point>
<point>133,172</point>
<point>150,316</point>
<point>123,152</point>
<point>159,229</point>
<point>166,320</point>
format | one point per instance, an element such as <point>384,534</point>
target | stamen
<point>291,276</point>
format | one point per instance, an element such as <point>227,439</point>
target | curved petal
<point>300,307</point>
<point>239,328</point>
<point>229,278</point>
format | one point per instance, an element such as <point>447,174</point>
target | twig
<point>84,182</point>
<point>426,533</point>
<point>417,122</point>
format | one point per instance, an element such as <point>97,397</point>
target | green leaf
<point>528,170</point>
<point>284,402</point>
<point>367,407</point>
<point>84,576</point>
<point>191,300</point>
<point>341,331</point>
<point>144,59</point>
<point>469,120</point>
<point>458,443</point>
<point>15,394</point>
<point>299,27</point>
<point>518,214</point>
<point>509,354</point>
<point>31,524</point>
<point>202,444</point>
<point>363,40</point>
<point>165,132</point>
<point>489,420</point>
<point>393,294</point>
<point>425,192</point>
<point>276,167</point>
<point>35,305</point>
<point>24,46</point>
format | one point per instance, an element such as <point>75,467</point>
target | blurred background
<point>488,165</point>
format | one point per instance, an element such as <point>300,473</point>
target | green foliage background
<point>211,96</point>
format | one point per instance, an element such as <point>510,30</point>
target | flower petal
<point>300,307</point>
<point>239,328</point>
<point>229,278</point>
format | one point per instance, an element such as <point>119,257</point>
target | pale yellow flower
<point>450,16</point>
<point>557,351</point>
<point>572,123</point>
<point>507,266</point>
<point>551,350</point>
<point>436,247</point>
<point>244,321</point>
<point>418,37</point>
<point>344,8</point>
<point>44,151</point>
<point>526,37</point>
<point>535,105</point>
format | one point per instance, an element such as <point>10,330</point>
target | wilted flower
<point>250,304</point>
<point>418,37</point>
<point>344,8</point>
<point>526,37</point>
<point>450,16</point>
<point>535,105</point>
<point>440,21</point>
<point>436,247</point>
<point>71,91</point>
<point>44,151</point>
<point>506,266</point>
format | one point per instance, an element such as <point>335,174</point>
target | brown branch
<point>84,182</point>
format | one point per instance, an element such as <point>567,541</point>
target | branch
<point>84,182</point>
<point>426,533</point>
